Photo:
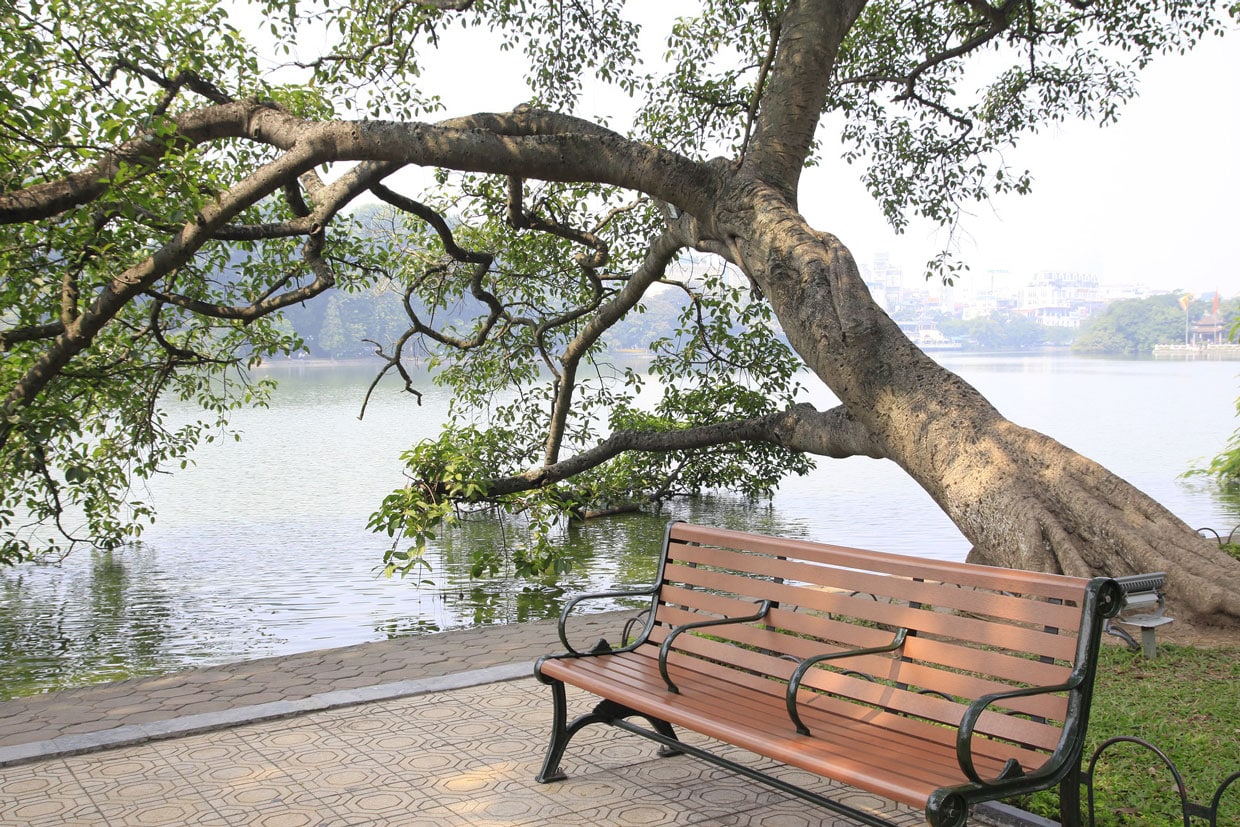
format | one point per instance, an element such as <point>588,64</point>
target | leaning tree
<point>175,176</point>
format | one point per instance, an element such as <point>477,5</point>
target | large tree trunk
<point>1023,499</point>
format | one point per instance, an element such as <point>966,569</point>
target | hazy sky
<point>1151,200</point>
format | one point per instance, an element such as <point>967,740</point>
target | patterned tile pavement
<point>90,716</point>
<point>446,729</point>
<point>462,757</point>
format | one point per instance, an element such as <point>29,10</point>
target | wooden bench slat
<point>792,638</point>
<point>1004,667</point>
<point>765,647</point>
<point>913,765</point>
<point>692,672</point>
<point>891,698</point>
<point>1012,669</point>
<point>919,760</point>
<point>933,708</point>
<point>817,626</point>
<point>951,684</point>
<point>772,637</point>
<point>1058,586</point>
<point>687,599</point>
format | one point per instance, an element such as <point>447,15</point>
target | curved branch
<point>834,433</point>
<point>519,218</point>
<point>530,143</point>
<point>599,156</point>
<point>763,71</point>
<point>30,333</point>
<point>391,361</point>
<point>994,21</point>
<point>436,221</point>
<point>39,201</point>
<point>659,255</point>
<point>482,265</point>
<point>330,200</point>
<point>495,310</point>
<point>175,353</point>
<point>185,79</point>
<point>997,21</point>
<point>142,276</point>
<point>393,14</point>
<point>324,279</point>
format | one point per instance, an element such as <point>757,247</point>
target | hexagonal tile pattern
<point>466,757</point>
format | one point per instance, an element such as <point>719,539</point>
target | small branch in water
<point>609,512</point>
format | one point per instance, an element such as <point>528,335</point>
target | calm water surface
<point>261,548</point>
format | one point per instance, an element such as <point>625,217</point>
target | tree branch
<point>592,154</point>
<point>996,21</point>
<point>810,36</point>
<point>834,433</point>
<point>39,201</point>
<point>763,71</point>
<point>436,221</point>
<point>481,266</point>
<point>30,333</point>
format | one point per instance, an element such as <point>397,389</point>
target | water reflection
<point>102,621</point>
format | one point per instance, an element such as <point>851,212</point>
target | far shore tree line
<point>358,325</point>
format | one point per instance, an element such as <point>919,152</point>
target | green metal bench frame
<point>938,685</point>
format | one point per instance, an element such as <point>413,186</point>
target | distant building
<point>886,282</point>
<point>1210,329</point>
<point>1058,299</point>
<point>979,309</point>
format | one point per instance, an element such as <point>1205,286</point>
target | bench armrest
<point>794,683</point>
<point>650,591</point>
<point>972,715</point>
<point>666,648</point>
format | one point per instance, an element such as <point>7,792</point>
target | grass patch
<point>1186,702</point>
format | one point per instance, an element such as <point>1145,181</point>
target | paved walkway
<point>447,729</point>
<point>139,709</point>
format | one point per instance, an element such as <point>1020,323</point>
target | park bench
<point>934,684</point>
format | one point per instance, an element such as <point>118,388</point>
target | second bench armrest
<point>650,591</point>
<point>972,715</point>
<point>794,682</point>
<point>763,608</point>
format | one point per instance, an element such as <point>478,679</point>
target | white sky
<point>1151,200</point>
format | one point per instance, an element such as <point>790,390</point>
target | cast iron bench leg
<point>604,713</point>
<point>1070,800</point>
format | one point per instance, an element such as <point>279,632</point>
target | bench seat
<point>887,754</point>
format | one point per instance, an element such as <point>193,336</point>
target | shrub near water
<point>1186,702</point>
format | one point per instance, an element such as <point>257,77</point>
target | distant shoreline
<point>1215,352</point>
<point>319,362</point>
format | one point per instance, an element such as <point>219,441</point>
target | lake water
<point>262,549</point>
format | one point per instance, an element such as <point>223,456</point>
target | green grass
<point>1187,703</point>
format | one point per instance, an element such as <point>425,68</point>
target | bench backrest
<point>972,630</point>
